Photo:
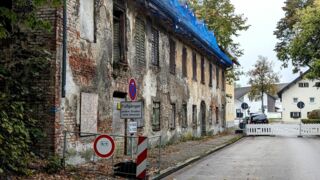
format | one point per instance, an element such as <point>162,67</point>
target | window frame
<point>155,46</point>
<point>184,113</point>
<point>172,56</point>
<point>210,74</point>
<point>184,56</point>
<point>141,60</point>
<point>194,116</point>
<point>202,70</point>
<point>122,32</point>
<point>194,66</point>
<point>173,117</point>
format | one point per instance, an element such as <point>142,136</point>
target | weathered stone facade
<point>90,68</point>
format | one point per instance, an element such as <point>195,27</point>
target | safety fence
<point>283,129</point>
<point>78,153</point>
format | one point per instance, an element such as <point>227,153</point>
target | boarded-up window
<point>87,19</point>
<point>172,124</point>
<point>194,116</point>
<point>155,47</point>
<point>140,31</point>
<point>184,116</point>
<point>217,76</point>
<point>194,65</point>
<point>172,62</point>
<point>217,115</point>
<point>118,34</point>
<point>89,111</point>
<point>210,74</point>
<point>156,116</point>
<point>202,70</point>
<point>184,62</point>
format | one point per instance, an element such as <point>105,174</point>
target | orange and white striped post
<point>142,157</point>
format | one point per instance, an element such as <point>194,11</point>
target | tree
<point>262,80</point>
<point>18,69</point>
<point>220,18</point>
<point>299,35</point>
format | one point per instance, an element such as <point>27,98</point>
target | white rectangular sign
<point>132,126</point>
<point>131,110</point>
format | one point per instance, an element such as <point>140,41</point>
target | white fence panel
<point>283,129</point>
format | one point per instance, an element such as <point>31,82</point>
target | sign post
<point>300,105</point>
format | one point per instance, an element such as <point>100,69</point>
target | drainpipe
<point>64,51</point>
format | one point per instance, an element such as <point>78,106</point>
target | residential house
<point>300,89</point>
<point>98,46</point>
<point>272,105</point>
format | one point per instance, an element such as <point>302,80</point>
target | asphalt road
<point>254,158</point>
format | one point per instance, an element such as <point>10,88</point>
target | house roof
<point>291,83</point>
<point>240,92</point>
<point>184,22</point>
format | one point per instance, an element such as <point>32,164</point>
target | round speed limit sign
<point>104,146</point>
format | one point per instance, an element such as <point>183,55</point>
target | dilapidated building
<point>98,45</point>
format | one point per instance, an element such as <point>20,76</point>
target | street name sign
<point>131,110</point>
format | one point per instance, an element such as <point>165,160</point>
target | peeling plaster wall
<point>90,69</point>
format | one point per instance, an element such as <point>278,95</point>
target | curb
<point>183,164</point>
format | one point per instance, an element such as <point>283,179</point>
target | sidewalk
<point>177,156</point>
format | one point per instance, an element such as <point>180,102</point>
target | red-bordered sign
<point>132,89</point>
<point>104,146</point>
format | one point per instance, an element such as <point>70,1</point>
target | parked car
<point>258,118</point>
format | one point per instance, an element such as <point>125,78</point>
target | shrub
<point>314,114</point>
<point>310,121</point>
<point>54,164</point>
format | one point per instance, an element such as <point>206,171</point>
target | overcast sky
<point>263,16</point>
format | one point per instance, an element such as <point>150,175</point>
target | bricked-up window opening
<point>156,116</point>
<point>5,22</point>
<point>87,20</point>
<point>217,115</point>
<point>210,115</point>
<point>119,34</point>
<point>217,76</point>
<point>194,116</point>
<point>172,123</point>
<point>184,116</point>
<point>172,62</point>
<point>202,70</point>
<point>223,80</point>
<point>155,47</point>
<point>184,62</point>
<point>194,66</point>
<point>210,74</point>
<point>140,31</point>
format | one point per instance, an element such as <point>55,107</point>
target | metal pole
<point>64,149</point>
<point>131,141</point>
<point>159,163</point>
<point>300,125</point>
<point>125,135</point>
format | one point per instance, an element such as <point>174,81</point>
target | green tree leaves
<point>262,79</point>
<point>299,35</point>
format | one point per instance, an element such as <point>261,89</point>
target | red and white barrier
<point>142,157</point>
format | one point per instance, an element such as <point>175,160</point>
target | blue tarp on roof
<point>186,21</point>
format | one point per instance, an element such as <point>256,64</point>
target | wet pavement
<point>262,158</point>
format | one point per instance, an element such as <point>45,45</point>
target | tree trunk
<point>262,104</point>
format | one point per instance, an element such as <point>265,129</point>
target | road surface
<point>259,158</point>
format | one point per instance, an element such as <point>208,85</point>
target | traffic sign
<point>132,89</point>
<point>104,146</point>
<point>300,105</point>
<point>132,127</point>
<point>131,110</point>
<point>244,106</point>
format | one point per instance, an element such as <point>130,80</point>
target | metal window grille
<point>184,116</point>
<point>202,70</point>
<point>184,62</point>
<point>194,115</point>
<point>194,65</point>
<point>155,47</point>
<point>172,56</point>
<point>156,116</point>
<point>140,30</point>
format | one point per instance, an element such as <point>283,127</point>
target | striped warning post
<point>142,157</point>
